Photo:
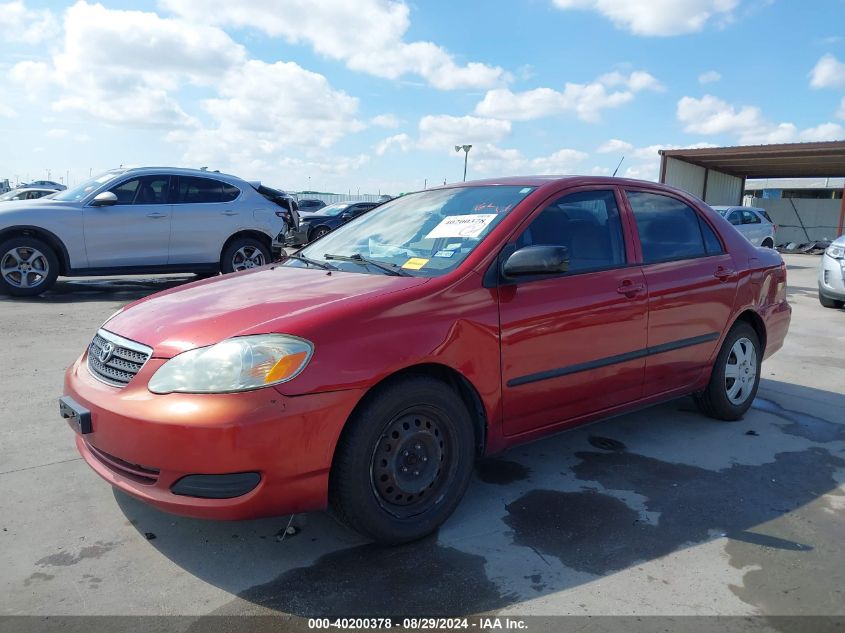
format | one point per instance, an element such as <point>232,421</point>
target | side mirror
<point>537,260</point>
<point>104,199</point>
<point>345,216</point>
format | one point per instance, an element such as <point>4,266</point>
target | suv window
<point>668,228</point>
<point>194,190</point>
<point>735,218</point>
<point>749,217</point>
<point>586,223</point>
<point>143,190</point>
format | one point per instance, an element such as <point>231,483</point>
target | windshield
<point>427,233</point>
<point>332,209</point>
<point>80,191</point>
<point>10,195</point>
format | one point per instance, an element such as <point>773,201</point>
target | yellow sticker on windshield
<point>415,263</point>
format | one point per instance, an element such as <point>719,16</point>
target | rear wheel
<point>827,302</point>
<point>28,266</point>
<point>735,375</point>
<point>244,253</point>
<point>404,460</point>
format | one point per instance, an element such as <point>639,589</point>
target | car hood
<point>283,299</point>
<point>839,241</point>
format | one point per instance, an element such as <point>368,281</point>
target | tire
<point>716,400</point>
<point>318,232</point>
<point>244,253</point>
<point>37,260</point>
<point>827,302</point>
<point>768,243</point>
<point>416,423</point>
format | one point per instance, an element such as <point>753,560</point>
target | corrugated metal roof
<point>784,160</point>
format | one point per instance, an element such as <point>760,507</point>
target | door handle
<point>229,212</point>
<point>156,215</point>
<point>723,274</point>
<point>630,288</point>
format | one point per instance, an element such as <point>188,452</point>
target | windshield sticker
<point>462,226</point>
<point>415,263</point>
<point>492,207</point>
<point>453,247</point>
<point>444,253</point>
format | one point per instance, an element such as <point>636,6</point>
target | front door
<point>691,286</point>
<point>572,343</point>
<point>135,231</point>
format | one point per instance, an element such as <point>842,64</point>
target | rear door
<point>572,343</point>
<point>206,212</point>
<point>133,232</point>
<point>691,288</point>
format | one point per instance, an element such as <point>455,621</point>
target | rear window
<point>668,228</point>
<point>194,190</point>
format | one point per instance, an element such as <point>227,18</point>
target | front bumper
<point>832,277</point>
<point>298,237</point>
<point>144,443</point>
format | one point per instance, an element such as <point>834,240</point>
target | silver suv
<point>755,224</point>
<point>146,220</point>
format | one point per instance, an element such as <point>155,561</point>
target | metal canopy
<point>786,160</point>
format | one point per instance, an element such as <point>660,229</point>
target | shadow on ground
<point>555,514</point>
<point>79,289</point>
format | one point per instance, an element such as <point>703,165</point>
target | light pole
<point>466,149</point>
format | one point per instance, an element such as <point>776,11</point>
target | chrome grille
<point>114,359</point>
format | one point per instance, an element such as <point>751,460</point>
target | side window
<point>194,190</point>
<point>152,190</point>
<point>668,228</point>
<point>126,191</point>
<point>749,217</point>
<point>230,192</point>
<point>586,223</point>
<point>711,241</point>
<point>735,218</point>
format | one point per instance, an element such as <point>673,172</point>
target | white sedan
<point>832,275</point>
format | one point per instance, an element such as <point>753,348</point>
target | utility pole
<point>466,149</point>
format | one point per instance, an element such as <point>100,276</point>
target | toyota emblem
<point>105,352</point>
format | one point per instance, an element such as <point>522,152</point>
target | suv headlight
<point>836,251</point>
<point>236,364</point>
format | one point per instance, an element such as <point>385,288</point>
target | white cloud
<point>828,72</point>
<point>711,76</point>
<point>712,116</point>
<point>7,112</point>
<point>401,141</point>
<point>389,121</point>
<point>489,159</point>
<point>29,26</point>
<point>444,131</point>
<point>585,100</point>
<point>57,133</point>
<point>657,17</point>
<point>368,35</point>
<point>613,146</point>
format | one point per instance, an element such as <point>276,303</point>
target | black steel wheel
<point>403,461</point>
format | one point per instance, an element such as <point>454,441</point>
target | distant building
<point>5,186</point>
<point>804,188</point>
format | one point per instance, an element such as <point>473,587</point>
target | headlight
<point>236,364</point>
<point>836,251</point>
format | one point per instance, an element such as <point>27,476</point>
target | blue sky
<point>341,95</point>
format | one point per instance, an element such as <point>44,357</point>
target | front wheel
<point>319,232</point>
<point>404,460</point>
<point>735,376</point>
<point>244,253</point>
<point>28,266</point>
<point>768,243</point>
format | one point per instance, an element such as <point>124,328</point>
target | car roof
<point>24,189</point>
<point>721,207</point>
<point>180,171</point>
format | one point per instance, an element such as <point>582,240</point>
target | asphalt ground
<point>661,512</point>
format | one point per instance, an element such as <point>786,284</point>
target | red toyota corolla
<point>369,371</point>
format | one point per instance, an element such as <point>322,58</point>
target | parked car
<point>315,225</point>
<point>832,275</point>
<point>26,193</point>
<point>47,184</point>
<point>370,370</point>
<point>310,205</point>
<point>143,220</point>
<point>755,224</point>
<point>290,212</point>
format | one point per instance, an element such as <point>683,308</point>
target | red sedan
<point>370,370</point>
